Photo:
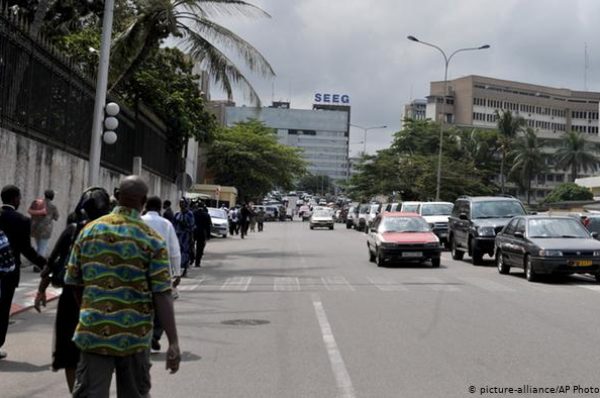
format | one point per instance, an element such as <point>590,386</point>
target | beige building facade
<point>472,102</point>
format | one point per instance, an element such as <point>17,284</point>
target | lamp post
<point>442,121</point>
<point>365,129</point>
<point>100,101</point>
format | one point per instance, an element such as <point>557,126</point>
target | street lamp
<point>446,62</point>
<point>100,101</point>
<point>365,129</point>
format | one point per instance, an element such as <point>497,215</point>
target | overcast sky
<point>359,48</point>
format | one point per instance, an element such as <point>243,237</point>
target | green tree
<point>528,160</point>
<point>508,126</point>
<point>316,183</point>
<point>575,155</point>
<point>568,191</point>
<point>190,23</point>
<point>249,157</point>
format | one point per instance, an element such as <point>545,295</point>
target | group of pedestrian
<point>117,270</point>
<point>245,218</point>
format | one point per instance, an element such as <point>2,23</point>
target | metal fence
<point>46,98</point>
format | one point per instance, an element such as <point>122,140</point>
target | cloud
<point>360,48</point>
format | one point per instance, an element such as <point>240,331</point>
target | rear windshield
<point>410,208</point>
<point>436,209</point>
<point>404,224</point>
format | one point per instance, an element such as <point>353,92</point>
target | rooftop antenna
<point>586,65</point>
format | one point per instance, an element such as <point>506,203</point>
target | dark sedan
<point>545,245</point>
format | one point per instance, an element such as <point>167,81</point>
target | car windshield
<point>497,209</point>
<point>404,224</point>
<point>593,224</point>
<point>364,209</point>
<point>322,213</point>
<point>436,209</point>
<point>556,228</point>
<point>217,213</point>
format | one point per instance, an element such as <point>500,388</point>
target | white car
<point>410,207</point>
<point>220,225</point>
<point>321,219</point>
<point>436,214</point>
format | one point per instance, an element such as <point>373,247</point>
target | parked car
<point>220,225</point>
<point>475,221</point>
<point>409,207</point>
<point>403,237</point>
<point>392,207</point>
<point>545,245</point>
<point>436,214</point>
<point>321,219</point>
<point>351,217</point>
<point>374,210</point>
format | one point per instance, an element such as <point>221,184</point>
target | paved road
<point>330,324</point>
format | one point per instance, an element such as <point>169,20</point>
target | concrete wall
<point>35,167</point>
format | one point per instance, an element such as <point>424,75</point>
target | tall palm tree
<point>188,21</point>
<point>528,160</point>
<point>574,155</point>
<point>508,127</point>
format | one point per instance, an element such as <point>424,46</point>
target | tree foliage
<point>408,169</point>
<point>569,191</point>
<point>249,157</point>
<point>528,161</point>
<point>574,155</point>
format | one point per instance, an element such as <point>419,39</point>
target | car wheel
<point>456,254</point>
<point>371,254</point>
<point>435,262</point>
<point>224,236</point>
<point>530,274</point>
<point>331,227</point>
<point>348,226</point>
<point>476,255</point>
<point>311,227</point>
<point>503,268</point>
<point>379,259</point>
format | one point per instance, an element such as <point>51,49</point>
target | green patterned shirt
<point>120,262</point>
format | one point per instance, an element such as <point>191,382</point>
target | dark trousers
<point>233,228</point>
<point>244,227</point>
<point>261,225</point>
<point>200,245</point>
<point>8,284</point>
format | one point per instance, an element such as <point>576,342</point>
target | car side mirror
<point>595,235</point>
<point>463,216</point>
<point>519,234</point>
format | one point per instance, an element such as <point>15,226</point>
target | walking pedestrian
<point>43,214</point>
<point>184,227</point>
<point>252,218</point>
<point>245,214</point>
<point>94,203</point>
<point>260,219</point>
<point>233,221</point>
<point>168,212</point>
<point>166,230</point>
<point>202,231</point>
<point>122,265</point>
<point>17,229</point>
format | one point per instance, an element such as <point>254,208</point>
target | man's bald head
<point>133,192</point>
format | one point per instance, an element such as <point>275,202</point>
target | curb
<point>25,302</point>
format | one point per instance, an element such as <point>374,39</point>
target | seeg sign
<point>322,98</point>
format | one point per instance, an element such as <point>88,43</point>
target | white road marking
<point>237,283</point>
<point>286,284</point>
<point>311,283</point>
<point>342,377</point>
<point>386,284</point>
<point>595,288</point>
<point>435,284</point>
<point>337,283</point>
<point>184,288</point>
<point>487,284</point>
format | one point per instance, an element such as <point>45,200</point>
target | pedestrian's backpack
<point>7,260</point>
<point>38,208</point>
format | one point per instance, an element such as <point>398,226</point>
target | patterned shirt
<point>120,262</point>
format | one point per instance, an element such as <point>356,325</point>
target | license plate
<point>412,254</point>
<point>582,263</point>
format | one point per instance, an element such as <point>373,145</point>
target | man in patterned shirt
<point>123,267</point>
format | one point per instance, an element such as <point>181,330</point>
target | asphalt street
<point>297,313</point>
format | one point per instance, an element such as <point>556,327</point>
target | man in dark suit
<point>202,231</point>
<point>17,228</point>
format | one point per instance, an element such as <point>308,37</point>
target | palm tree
<point>508,127</point>
<point>188,21</point>
<point>574,155</point>
<point>528,160</point>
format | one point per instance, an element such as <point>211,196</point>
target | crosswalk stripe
<point>184,288</point>
<point>337,283</point>
<point>238,283</point>
<point>435,284</point>
<point>487,284</point>
<point>387,285</point>
<point>286,284</point>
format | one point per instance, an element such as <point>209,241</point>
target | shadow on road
<point>13,366</point>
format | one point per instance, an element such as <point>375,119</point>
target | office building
<point>472,101</point>
<point>322,133</point>
<point>416,109</point>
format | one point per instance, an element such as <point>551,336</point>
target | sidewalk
<point>25,293</point>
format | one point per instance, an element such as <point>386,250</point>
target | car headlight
<point>432,244</point>
<point>486,231</point>
<point>388,244</point>
<point>597,253</point>
<point>550,253</point>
